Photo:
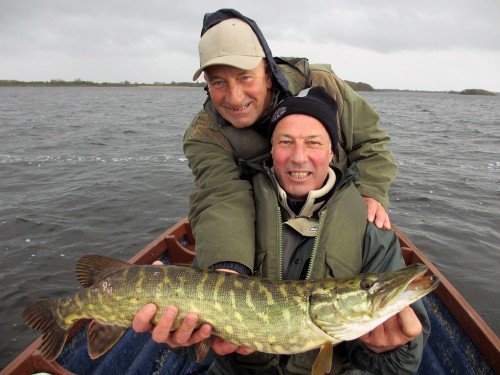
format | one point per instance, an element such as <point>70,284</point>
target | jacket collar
<point>314,201</point>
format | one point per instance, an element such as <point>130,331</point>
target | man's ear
<point>269,77</point>
<point>205,77</point>
<point>269,81</point>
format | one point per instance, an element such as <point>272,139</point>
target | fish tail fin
<point>92,268</point>
<point>39,316</point>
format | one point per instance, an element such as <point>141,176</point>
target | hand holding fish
<point>395,331</point>
<point>186,334</point>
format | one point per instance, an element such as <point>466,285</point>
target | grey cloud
<point>115,27</point>
<point>144,39</point>
<point>110,28</point>
<point>396,25</point>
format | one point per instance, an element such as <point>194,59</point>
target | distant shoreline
<point>361,86</point>
<point>356,86</point>
<point>80,83</point>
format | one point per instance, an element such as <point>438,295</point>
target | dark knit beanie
<point>314,102</point>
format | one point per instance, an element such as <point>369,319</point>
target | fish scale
<point>242,313</point>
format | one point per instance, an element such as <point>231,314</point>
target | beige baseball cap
<point>231,42</point>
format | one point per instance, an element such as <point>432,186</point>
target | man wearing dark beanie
<point>311,223</point>
<point>315,102</point>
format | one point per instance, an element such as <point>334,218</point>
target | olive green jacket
<point>222,211</point>
<point>342,225</point>
<point>344,245</point>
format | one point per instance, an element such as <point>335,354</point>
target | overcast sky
<point>421,45</point>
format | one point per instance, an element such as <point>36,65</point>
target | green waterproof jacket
<point>222,211</point>
<point>344,245</point>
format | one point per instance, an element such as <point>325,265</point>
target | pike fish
<point>271,316</point>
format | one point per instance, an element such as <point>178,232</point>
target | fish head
<point>347,308</point>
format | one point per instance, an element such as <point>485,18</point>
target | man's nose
<point>299,153</point>
<point>235,95</point>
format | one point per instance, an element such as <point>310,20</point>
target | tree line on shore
<point>79,82</point>
<point>357,86</point>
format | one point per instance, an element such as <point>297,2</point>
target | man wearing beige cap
<point>219,61</point>
<point>244,84</point>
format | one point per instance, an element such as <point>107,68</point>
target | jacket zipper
<point>315,246</point>
<point>280,245</point>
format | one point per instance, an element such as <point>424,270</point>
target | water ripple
<point>96,170</point>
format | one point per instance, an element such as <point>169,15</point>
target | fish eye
<point>366,284</point>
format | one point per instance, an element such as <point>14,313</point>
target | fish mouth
<point>423,283</point>
<point>405,286</point>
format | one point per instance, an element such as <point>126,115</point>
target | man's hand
<point>395,331</point>
<point>222,347</point>
<point>186,334</point>
<point>377,214</point>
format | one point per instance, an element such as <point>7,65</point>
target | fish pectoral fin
<point>92,268</point>
<point>323,363</point>
<point>101,337</point>
<point>203,347</point>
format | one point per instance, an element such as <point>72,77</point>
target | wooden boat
<point>460,342</point>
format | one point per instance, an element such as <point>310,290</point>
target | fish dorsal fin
<point>92,268</point>
<point>323,363</point>
<point>101,337</point>
<point>203,347</point>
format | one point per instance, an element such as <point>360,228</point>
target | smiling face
<point>240,96</point>
<point>301,154</point>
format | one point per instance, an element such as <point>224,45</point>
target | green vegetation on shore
<point>360,86</point>
<point>476,92</point>
<point>356,86</point>
<point>79,82</point>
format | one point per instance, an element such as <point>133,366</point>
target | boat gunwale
<point>169,242</point>
<point>469,320</point>
<point>30,359</point>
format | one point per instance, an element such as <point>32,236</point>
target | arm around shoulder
<point>366,145</point>
<point>362,139</point>
<point>222,211</point>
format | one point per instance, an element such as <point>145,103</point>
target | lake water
<point>101,170</point>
